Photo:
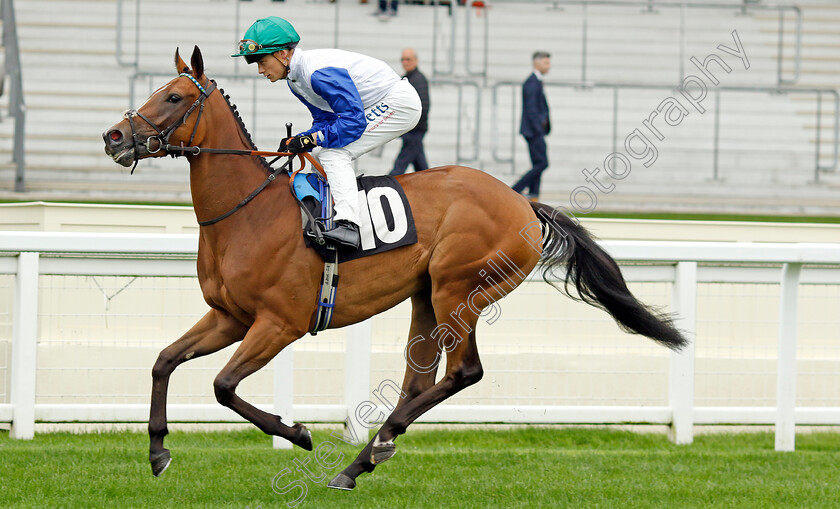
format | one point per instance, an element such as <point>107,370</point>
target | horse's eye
<point>174,98</point>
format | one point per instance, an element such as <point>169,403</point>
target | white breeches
<point>392,117</point>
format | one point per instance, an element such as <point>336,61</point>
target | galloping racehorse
<point>261,281</point>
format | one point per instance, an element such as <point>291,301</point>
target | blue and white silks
<point>358,104</point>
<point>338,87</point>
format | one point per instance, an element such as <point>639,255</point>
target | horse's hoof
<point>303,438</point>
<point>160,462</point>
<point>382,451</point>
<point>342,482</point>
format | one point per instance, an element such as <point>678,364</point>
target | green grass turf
<point>521,467</point>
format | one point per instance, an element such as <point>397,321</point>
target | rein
<point>163,144</point>
<point>250,197</point>
<point>266,182</point>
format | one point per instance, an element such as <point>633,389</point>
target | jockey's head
<point>267,36</point>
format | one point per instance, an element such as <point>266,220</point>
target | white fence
<point>29,258</point>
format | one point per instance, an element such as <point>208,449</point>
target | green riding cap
<point>266,36</point>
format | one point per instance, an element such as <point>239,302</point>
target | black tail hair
<point>597,279</point>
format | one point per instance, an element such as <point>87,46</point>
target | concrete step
<point>147,172</point>
<point>766,142</point>
<point>37,191</point>
<point>79,101</point>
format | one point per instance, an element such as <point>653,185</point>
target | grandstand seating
<point>79,56</point>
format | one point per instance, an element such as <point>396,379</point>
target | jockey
<point>358,103</point>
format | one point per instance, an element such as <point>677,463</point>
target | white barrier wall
<point>91,311</point>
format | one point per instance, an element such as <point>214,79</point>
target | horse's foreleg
<point>262,343</point>
<point>214,331</point>
<point>419,376</point>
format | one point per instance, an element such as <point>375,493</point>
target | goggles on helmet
<point>249,47</point>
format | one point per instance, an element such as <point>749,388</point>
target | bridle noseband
<point>162,136</point>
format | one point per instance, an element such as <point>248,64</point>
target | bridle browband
<point>162,137</point>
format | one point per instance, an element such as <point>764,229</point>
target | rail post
<point>284,394</point>
<point>357,376</point>
<point>786,371</point>
<point>681,365</point>
<point>24,347</point>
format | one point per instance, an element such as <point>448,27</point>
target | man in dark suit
<point>535,125</point>
<point>412,148</point>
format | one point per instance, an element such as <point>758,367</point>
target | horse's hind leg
<point>214,331</point>
<point>415,382</point>
<point>455,333</point>
<point>463,368</point>
<point>262,343</point>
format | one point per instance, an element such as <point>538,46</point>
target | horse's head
<point>168,117</point>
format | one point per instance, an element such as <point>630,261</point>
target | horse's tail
<point>597,278</point>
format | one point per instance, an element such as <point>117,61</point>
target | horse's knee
<point>224,387</point>
<point>164,366</point>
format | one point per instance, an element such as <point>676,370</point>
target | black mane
<point>235,112</point>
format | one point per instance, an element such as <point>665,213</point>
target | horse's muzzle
<point>119,146</point>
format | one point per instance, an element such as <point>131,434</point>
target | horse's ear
<point>180,65</point>
<point>197,63</point>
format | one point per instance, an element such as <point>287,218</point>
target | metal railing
<point>235,30</point>
<point>819,92</point>
<point>485,54</point>
<point>460,151</point>
<point>17,106</point>
<point>744,8</point>
<point>450,60</point>
<point>121,31</point>
<point>448,67</point>
<point>459,128</point>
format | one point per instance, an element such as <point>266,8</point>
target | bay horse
<point>261,281</point>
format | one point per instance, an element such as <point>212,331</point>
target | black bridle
<point>162,138</point>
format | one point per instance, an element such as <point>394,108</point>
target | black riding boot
<point>345,233</point>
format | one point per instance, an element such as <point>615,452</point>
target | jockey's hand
<point>298,144</point>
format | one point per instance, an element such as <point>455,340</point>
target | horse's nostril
<point>115,135</point>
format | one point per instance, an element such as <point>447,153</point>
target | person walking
<point>535,125</point>
<point>412,152</point>
<point>384,12</point>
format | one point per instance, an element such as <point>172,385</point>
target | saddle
<point>385,218</point>
<point>386,221</point>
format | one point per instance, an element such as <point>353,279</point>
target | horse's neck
<point>218,182</point>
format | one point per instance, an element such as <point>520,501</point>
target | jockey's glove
<point>298,144</point>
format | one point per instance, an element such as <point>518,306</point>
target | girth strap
<point>329,280</point>
<point>326,296</point>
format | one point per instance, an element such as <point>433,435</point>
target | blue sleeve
<point>321,119</point>
<point>348,122</point>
